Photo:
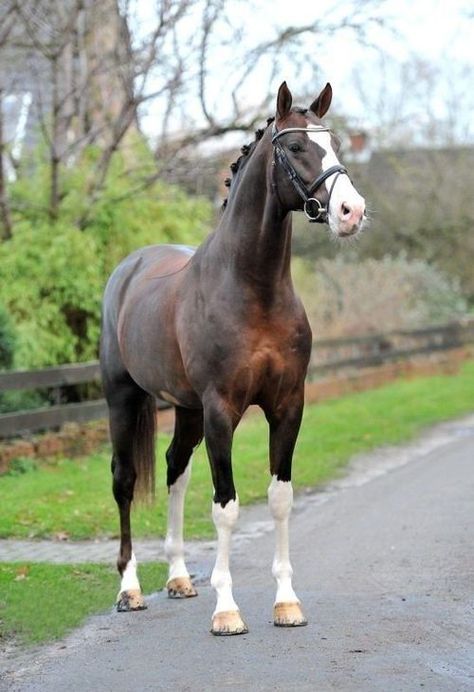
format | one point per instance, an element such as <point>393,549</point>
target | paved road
<point>384,565</point>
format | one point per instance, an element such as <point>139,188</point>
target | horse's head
<point>307,171</point>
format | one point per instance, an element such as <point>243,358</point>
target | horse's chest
<point>271,358</point>
<point>281,351</point>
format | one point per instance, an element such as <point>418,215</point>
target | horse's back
<point>143,265</point>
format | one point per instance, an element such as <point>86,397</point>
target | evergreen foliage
<point>53,273</point>
<point>7,340</point>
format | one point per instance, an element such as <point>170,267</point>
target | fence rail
<point>58,376</point>
<point>329,355</point>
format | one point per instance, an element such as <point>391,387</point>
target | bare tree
<point>417,102</point>
<point>5,215</point>
<point>6,24</point>
<point>95,67</point>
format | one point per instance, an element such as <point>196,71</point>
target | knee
<point>280,498</point>
<point>225,517</point>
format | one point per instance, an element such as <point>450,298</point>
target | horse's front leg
<point>284,430</point>
<point>219,425</point>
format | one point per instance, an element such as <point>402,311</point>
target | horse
<point>214,330</point>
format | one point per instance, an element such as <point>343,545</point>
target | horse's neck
<point>254,233</point>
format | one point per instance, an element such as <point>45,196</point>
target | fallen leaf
<point>22,573</point>
<point>61,536</point>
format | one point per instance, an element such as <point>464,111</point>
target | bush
<point>53,274</point>
<point>348,299</point>
<point>7,340</point>
<point>53,280</point>
<point>21,401</point>
<point>13,400</point>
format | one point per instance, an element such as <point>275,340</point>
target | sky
<point>368,81</point>
<point>439,34</point>
<point>432,30</point>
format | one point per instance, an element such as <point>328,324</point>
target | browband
<point>278,133</point>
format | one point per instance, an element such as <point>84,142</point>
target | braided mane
<point>246,152</point>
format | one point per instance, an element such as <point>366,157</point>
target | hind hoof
<point>130,600</point>
<point>181,587</point>
<point>288,615</point>
<point>227,623</point>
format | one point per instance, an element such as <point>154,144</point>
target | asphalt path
<point>384,566</point>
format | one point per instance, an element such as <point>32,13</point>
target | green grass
<point>73,497</point>
<point>39,602</point>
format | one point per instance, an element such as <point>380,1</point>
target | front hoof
<point>130,600</point>
<point>288,615</point>
<point>228,622</point>
<point>181,587</point>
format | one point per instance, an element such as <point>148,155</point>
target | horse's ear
<point>284,100</point>
<point>320,105</point>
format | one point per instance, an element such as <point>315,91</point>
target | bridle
<point>315,211</point>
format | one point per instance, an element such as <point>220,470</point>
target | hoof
<point>227,623</point>
<point>181,587</point>
<point>288,615</point>
<point>130,600</point>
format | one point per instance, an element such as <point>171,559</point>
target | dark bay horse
<point>215,330</point>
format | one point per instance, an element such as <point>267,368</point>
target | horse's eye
<point>294,147</point>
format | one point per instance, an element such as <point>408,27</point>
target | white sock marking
<point>174,545</point>
<point>129,579</point>
<point>280,501</point>
<point>224,519</point>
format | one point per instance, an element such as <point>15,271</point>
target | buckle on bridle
<point>321,211</point>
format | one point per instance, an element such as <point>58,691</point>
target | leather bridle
<point>315,211</point>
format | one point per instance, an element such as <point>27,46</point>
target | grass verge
<point>72,498</point>
<point>41,602</point>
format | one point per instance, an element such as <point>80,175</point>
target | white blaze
<point>343,192</point>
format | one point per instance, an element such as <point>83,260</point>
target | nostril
<point>345,209</point>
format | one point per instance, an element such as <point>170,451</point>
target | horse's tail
<point>144,451</point>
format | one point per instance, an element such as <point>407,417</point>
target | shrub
<point>7,340</point>
<point>52,280</point>
<point>53,274</point>
<point>13,400</point>
<point>348,298</point>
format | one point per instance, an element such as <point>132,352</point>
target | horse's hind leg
<point>131,413</point>
<point>187,434</point>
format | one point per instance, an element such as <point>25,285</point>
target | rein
<point>315,211</point>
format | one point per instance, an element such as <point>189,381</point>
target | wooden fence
<point>329,355</point>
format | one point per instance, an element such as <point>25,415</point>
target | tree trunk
<point>4,206</point>
<point>54,145</point>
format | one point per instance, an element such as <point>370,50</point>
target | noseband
<point>315,211</point>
